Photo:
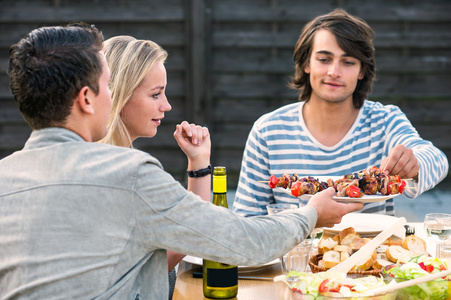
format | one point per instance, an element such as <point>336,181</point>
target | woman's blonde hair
<point>129,61</point>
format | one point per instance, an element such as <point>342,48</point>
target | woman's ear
<point>84,102</point>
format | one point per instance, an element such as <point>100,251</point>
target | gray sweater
<point>83,220</point>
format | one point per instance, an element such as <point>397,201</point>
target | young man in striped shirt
<point>333,130</point>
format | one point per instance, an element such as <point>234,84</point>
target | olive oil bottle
<point>220,281</point>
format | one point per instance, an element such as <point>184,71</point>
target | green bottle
<point>220,280</point>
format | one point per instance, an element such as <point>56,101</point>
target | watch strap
<point>199,173</point>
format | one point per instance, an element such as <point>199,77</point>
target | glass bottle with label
<point>220,281</point>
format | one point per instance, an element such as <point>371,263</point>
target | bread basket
<point>313,263</point>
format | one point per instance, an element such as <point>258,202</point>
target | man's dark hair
<point>353,35</point>
<point>49,66</point>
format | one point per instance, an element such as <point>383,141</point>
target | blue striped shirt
<point>280,142</point>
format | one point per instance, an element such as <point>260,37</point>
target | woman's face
<point>144,111</point>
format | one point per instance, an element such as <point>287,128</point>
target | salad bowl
<point>417,267</point>
<point>333,285</point>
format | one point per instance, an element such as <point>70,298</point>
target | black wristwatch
<point>199,173</point>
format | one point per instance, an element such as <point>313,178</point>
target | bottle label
<point>219,184</point>
<point>222,277</point>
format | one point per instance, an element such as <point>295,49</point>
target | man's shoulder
<point>123,153</point>
<point>378,109</point>
<point>286,113</point>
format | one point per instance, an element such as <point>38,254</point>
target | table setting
<point>366,256</point>
<point>258,282</point>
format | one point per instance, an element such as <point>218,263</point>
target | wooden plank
<point>230,135</point>
<point>231,159</point>
<point>4,85</point>
<point>170,35</point>
<point>414,64</point>
<point>295,11</point>
<point>432,113</point>
<point>438,135</point>
<point>13,11</point>
<point>413,85</point>
<point>13,137</point>
<point>9,114</point>
<point>196,80</point>
<point>261,86</point>
<point>245,111</point>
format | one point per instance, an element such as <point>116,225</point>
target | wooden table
<point>189,288</point>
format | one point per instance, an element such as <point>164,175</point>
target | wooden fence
<point>230,62</point>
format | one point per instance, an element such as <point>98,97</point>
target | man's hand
<point>401,161</point>
<point>330,211</point>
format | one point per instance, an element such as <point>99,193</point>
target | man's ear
<point>84,100</point>
<point>361,76</point>
<point>307,68</point>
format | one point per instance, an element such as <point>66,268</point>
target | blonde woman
<point>138,83</point>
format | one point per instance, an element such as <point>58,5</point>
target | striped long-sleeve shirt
<point>280,142</point>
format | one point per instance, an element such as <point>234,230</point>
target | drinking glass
<point>277,208</point>
<point>438,228</point>
<point>445,250</point>
<point>297,258</point>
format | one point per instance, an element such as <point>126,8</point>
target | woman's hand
<point>194,140</point>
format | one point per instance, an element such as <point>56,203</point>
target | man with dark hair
<point>84,220</point>
<point>334,131</point>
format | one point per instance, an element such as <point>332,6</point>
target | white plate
<point>241,269</point>
<point>365,199</point>
<point>365,224</point>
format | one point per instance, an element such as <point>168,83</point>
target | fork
<point>410,230</point>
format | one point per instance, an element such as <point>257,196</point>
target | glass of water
<point>438,228</point>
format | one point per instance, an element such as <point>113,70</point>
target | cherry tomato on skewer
<point>295,189</point>
<point>273,180</point>
<point>353,191</point>
<point>402,186</point>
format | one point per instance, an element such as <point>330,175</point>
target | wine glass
<point>438,228</point>
<point>315,236</point>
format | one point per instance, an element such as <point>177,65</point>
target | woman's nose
<point>166,106</point>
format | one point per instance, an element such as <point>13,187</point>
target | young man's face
<point>333,73</point>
